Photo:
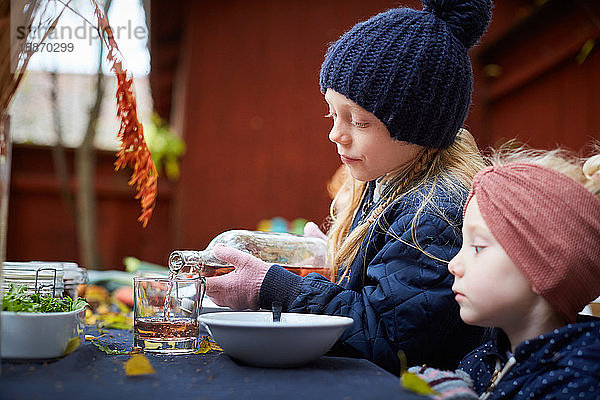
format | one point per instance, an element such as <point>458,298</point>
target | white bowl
<point>40,335</point>
<point>253,338</point>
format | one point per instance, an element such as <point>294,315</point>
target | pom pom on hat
<point>466,19</point>
<point>411,68</point>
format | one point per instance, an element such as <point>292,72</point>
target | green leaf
<point>166,147</point>
<point>17,299</point>
<point>108,350</point>
<point>415,384</point>
<point>412,381</point>
<point>79,303</point>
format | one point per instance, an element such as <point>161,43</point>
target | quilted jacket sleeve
<point>404,301</point>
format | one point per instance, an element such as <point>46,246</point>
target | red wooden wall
<point>546,93</point>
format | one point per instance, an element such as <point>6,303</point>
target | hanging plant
<point>133,150</point>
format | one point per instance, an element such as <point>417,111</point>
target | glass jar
<point>74,277</point>
<point>53,278</point>
<point>299,254</point>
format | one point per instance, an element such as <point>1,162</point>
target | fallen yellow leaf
<point>72,344</point>
<point>206,345</point>
<point>138,364</point>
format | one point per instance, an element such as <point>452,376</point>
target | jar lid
<point>43,278</point>
<point>73,275</point>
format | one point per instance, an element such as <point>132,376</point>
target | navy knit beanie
<point>411,68</point>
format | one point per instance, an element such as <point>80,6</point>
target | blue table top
<point>89,373</point>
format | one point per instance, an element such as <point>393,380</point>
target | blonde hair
<point>583,169</point>
<point>453,168</point>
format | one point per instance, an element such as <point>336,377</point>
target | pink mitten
<point>238,289</point>
<point>312,230</point>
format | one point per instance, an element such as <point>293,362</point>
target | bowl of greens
<point>39,327</point>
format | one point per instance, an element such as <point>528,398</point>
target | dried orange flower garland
<point>133,150</point>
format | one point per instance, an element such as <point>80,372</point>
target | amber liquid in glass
<point>147,328</point>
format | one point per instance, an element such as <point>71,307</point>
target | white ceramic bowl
<point>253,338</point>
<point>40,335</point>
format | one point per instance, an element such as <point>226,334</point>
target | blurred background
<point>228,92</point>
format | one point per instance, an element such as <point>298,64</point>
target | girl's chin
<point>468,318</point>
<point>471,319</point>
<point>361,176</point>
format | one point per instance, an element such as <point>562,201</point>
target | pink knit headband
<point>549,225</point>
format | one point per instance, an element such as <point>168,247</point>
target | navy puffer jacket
<point>399,297</point>
<point>562,364</point>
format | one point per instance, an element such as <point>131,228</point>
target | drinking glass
<point>166,313</point>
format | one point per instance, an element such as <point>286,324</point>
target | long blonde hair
<point>453,167</point>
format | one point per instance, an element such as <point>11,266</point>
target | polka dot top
<point>562,364</point>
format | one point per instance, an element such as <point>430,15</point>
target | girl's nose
<point>338,135</point>
<point>454,265</point>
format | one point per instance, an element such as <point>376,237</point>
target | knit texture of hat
<point>549,225</point>
<point>411,68</point>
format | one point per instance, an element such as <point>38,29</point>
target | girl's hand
<point>312,230</point>
<point>238,289</point>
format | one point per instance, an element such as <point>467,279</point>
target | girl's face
<point>490,289</point>
<point>363,142</point>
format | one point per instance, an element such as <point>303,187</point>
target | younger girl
<point>529,263</point>
<point>398,88</point>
